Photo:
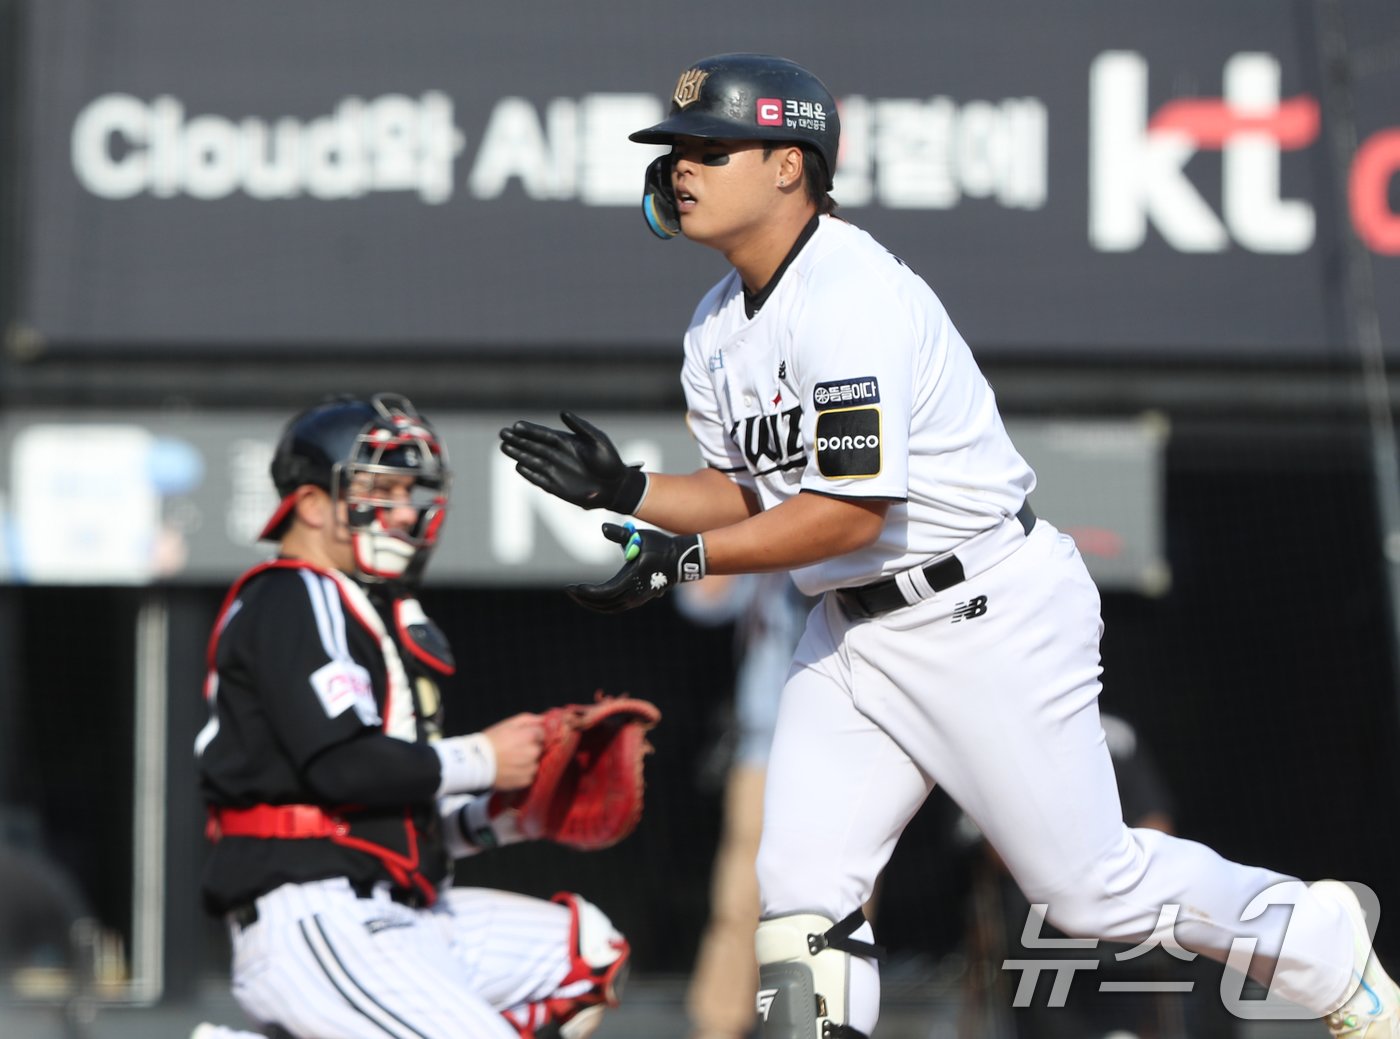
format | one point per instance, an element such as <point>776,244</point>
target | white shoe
<point>1373,1011</point>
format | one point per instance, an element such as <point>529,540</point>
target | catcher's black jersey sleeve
<point>297,675</point>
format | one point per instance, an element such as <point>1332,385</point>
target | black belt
<point>871,600</point>
<point>245,914</point>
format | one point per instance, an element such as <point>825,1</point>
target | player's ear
<point>790,167</point>
<point>313,506</point>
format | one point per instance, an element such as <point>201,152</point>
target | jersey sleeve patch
<point>343,685</point>
<point>844,393</point>
<point>848,443</point>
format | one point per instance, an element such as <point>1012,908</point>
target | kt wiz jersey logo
<point>771,443</point>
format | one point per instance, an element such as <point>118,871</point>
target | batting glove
<point>582,467</point>
<point>655,562</point>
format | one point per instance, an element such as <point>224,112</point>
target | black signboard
<point>1089,178</point>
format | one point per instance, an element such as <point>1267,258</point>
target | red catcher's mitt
<point>588,791</point>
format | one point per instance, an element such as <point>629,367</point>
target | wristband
<point>692,561</point>
<point>468,764</point>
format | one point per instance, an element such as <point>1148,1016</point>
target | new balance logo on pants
<point>975,607</point>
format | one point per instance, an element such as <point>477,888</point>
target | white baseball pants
<point>1001,709</point>
<point>325,964</point>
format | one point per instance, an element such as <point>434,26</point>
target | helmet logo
<point>688,87</point>
<point>770,111</point>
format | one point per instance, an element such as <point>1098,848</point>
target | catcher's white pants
<point>1001,709</point>
<point>325,964</point>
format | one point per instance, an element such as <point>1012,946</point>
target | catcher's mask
<point>740,97</point>
<point>377,456</point>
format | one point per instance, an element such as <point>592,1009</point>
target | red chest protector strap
<point>283,822</point>
<point>307,822</point>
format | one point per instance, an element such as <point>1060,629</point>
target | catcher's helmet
<point>751,97</point>
<point>333,443</point>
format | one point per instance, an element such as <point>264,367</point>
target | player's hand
<point>655,562</point>
<point>517,742</point>
<point>582,466</point>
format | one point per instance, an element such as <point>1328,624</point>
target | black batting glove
<point>582,467</point>
<point>655,562</point>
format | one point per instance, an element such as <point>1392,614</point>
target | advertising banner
<point>1098,179</point>
<point>142,498</point>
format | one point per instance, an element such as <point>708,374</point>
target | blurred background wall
<point>1170,232</point>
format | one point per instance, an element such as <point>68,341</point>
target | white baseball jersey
<point>881,402</point>
<point>849,380</point>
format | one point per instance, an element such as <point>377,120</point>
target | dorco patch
<point>848,442</point>
<point>845,392</point>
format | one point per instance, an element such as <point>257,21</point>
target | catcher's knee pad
<point>804,975</point>
<point>598,961</point>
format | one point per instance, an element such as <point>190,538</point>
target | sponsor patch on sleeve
<point>848,442</point>
<point>343,685</point>
<point>845,393</point>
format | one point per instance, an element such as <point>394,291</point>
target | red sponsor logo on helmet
<point>769,111</point>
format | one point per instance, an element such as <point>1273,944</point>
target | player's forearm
<point>805,529</point>
<point>695,502</point>
<point>374,770</point>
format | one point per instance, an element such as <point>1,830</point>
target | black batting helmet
<point>751,97</point>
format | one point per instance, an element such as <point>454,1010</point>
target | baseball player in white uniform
<point>335,801</point>
<point>849,437</point>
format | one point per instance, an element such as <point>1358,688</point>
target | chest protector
<point>407,843</point>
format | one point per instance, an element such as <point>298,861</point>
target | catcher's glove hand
<point>588,791</point>
<point>654,562</point>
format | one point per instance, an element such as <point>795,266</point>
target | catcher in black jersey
<point>335,803</point>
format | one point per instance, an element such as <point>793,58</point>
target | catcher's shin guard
<point>598,959</point>
<point>804,975</point>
